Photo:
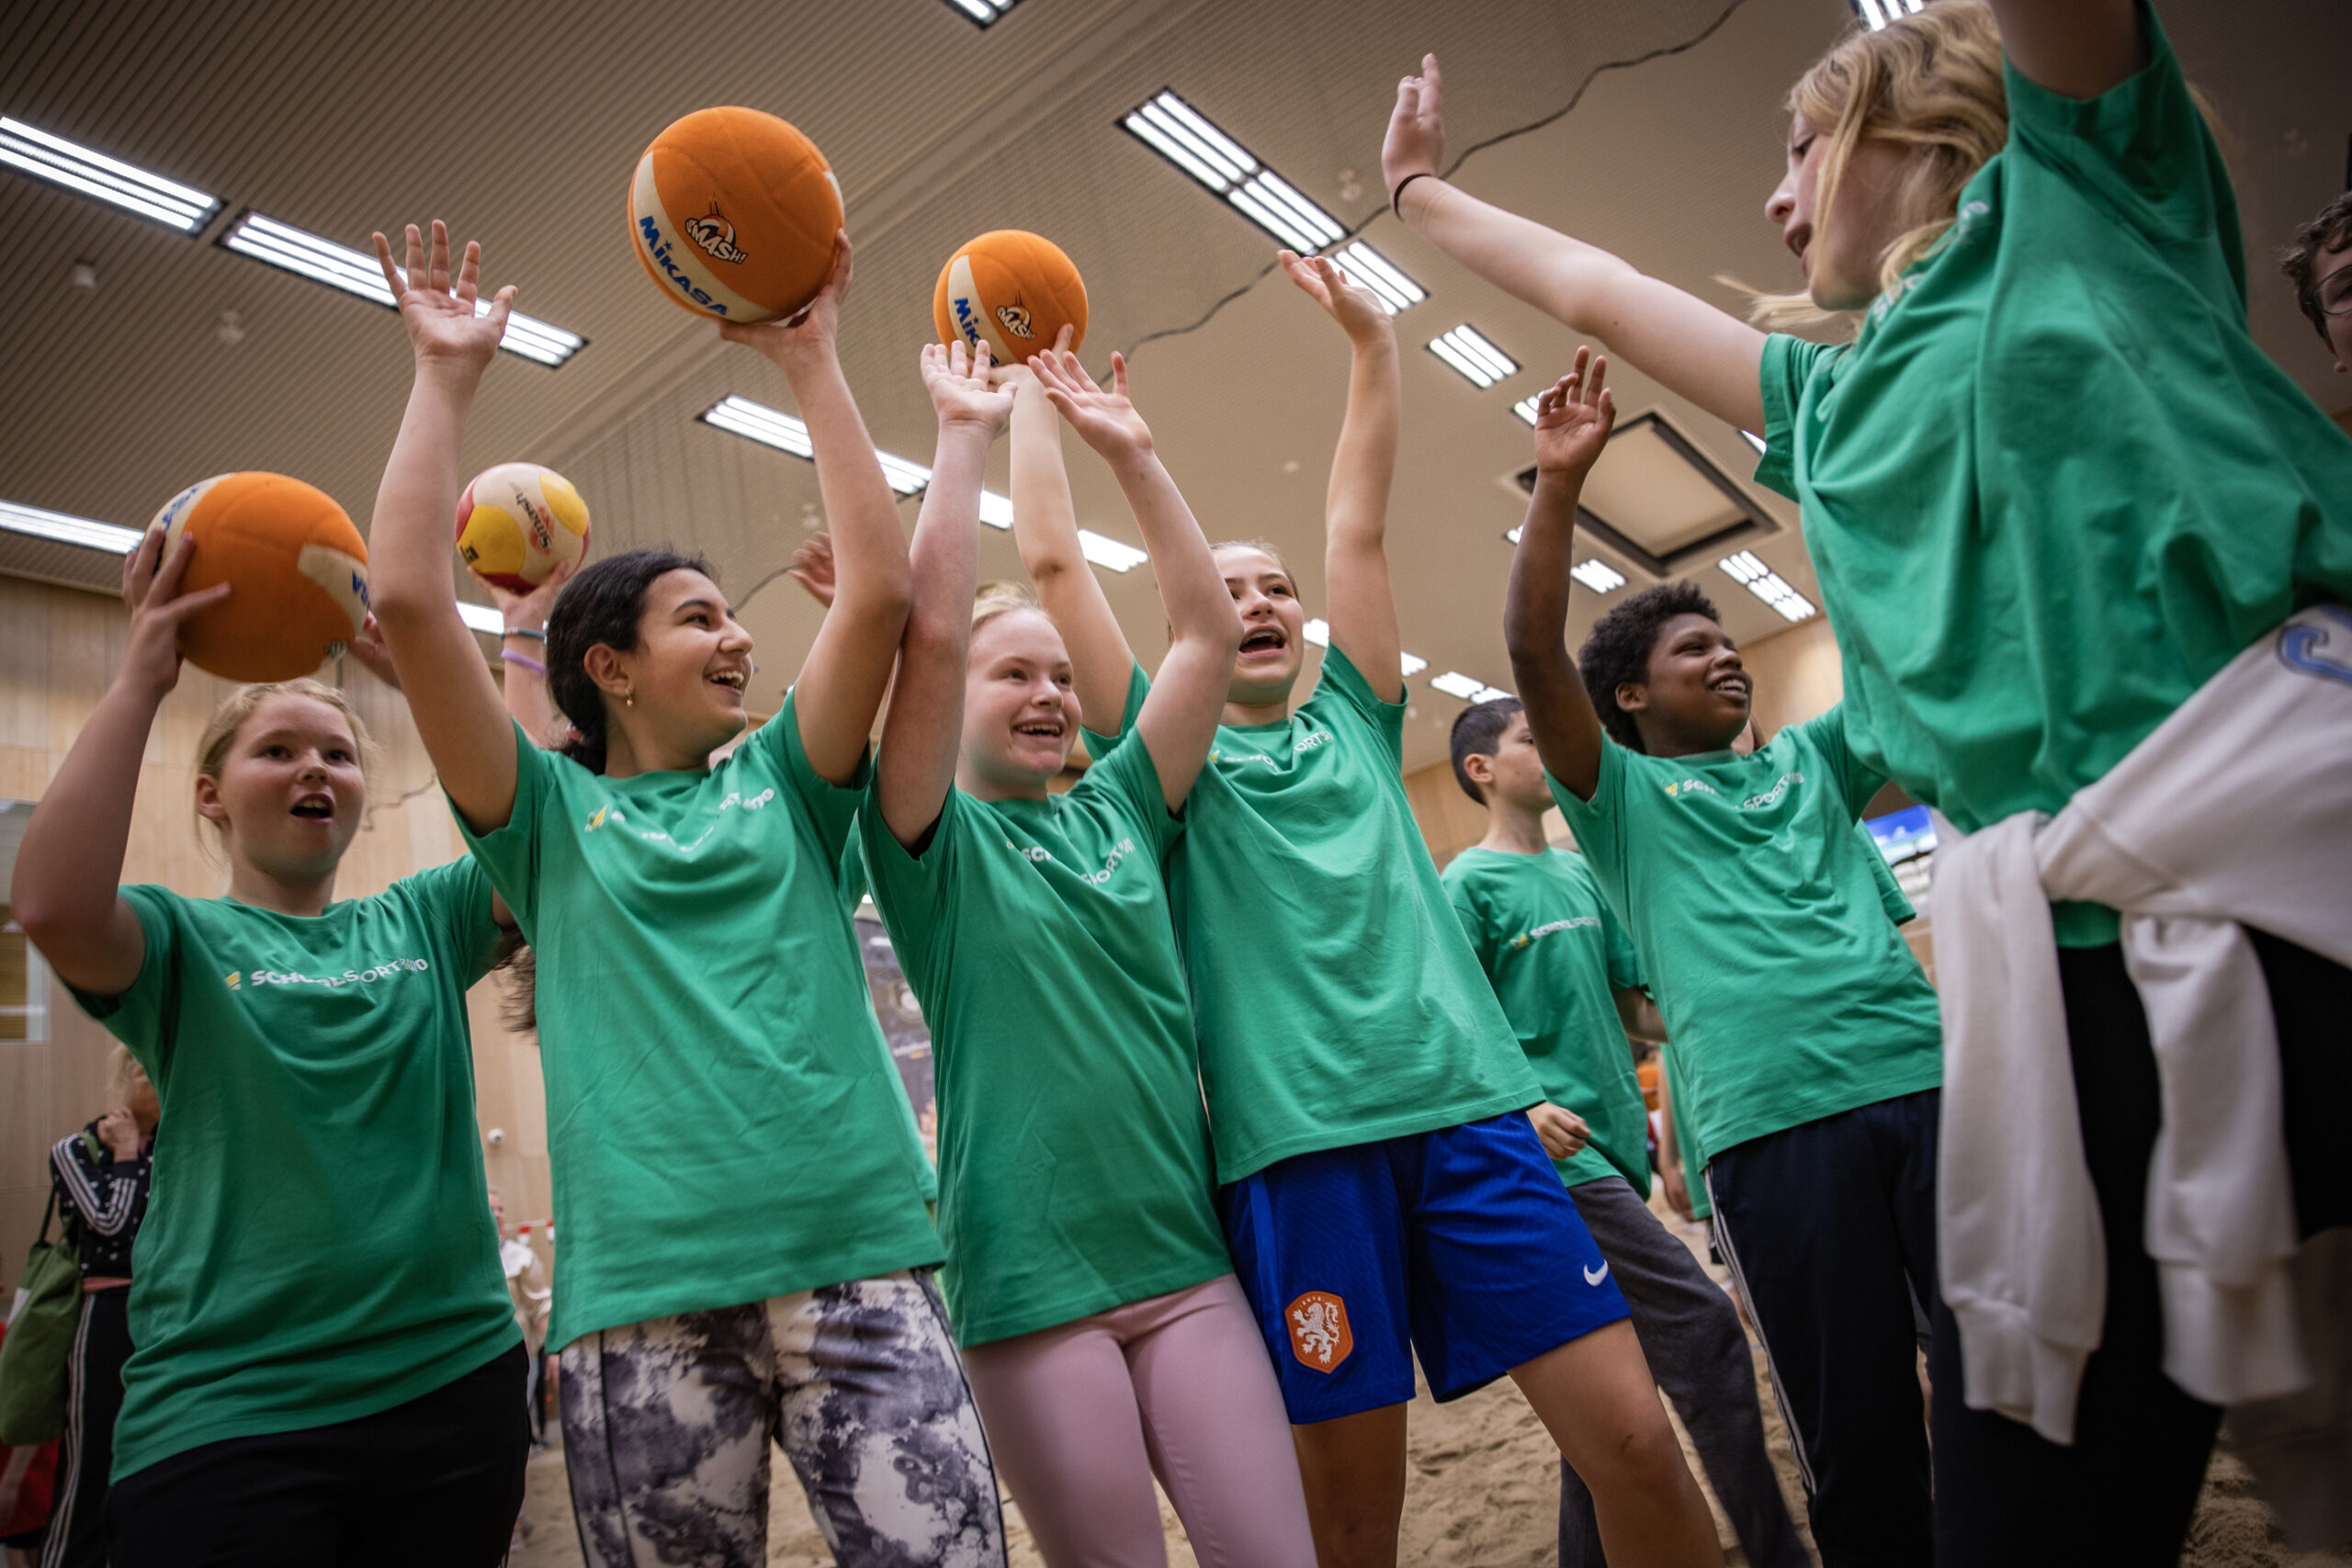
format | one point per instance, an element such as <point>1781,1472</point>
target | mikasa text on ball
<point>296,567</point>
<point>1012,290</point>
<point>733,213</point>
<point>517,521</point>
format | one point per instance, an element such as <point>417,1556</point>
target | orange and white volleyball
<point>517,521</point>
<point>733,213</point>
<point>1012,290</point>
<point>296,567</point>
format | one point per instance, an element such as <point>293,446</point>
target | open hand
<point>529,609</point>
<point>812,568</point>
<point>445,324</point>
<point>1020,375</point>
<point>1573,418</point>
<point>959,388</point>
<point>151,591</point>
<point>1352,305</point>
<point>1416,140</point>
<point>369,650</point>
<point>1564,1132</point>
<point>1106,419</point>
<point>802,340</point>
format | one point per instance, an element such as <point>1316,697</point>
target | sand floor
<point>1482,1488</point>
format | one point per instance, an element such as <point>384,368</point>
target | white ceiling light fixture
<point>62,528</point>
<point>904,477</point>
<point>757,422</point>
<point>996,510</point>
<point>1876,14</point>
<point>1480,362</point>
<point>1753,440</point>
<point>92,173</point>
<point>1367,267</point>
<point>484,618</point>
<point>1114,555</point>
<point>1597,575</point>
<point>1752,574</point>
<point>1525,407</point>
<point>980,13</point>
<point>1318,632</point>
<point>321,260</point>
<point>1184,136</point>
<point>1469,688</point>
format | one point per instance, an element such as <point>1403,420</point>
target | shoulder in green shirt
<point>1556,958</point>
<point>1333,996</point>
<point>1074,1151</point>
<point>318,1246</point>
<point>2056,485</point>
<point>1787,992</point>
<point>723,1120</point>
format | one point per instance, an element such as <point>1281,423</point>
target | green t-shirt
<point>1074,1151</point>
<point>1556,957</point>
<point>1334,998</point>
<point>2054,485</point>
<point>1787,992</point>
<point>724,1124</point>
<point>318,1246</point>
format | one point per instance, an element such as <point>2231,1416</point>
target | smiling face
<point>1839,253</point>
<point>1695,694</point>
<point>679,693</point>
<point>289,794</point>
<point>1021,715</point>
<point>1273,640</point>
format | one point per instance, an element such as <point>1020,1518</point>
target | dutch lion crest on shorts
<point>1319,1335</point>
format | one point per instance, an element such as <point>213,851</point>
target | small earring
<point>628,699</point>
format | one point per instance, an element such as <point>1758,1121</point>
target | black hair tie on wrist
<point>1397,196</point>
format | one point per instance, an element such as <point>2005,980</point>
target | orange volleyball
<point>734,212</point>
<point>296,567</point>
<point>1012,290</point>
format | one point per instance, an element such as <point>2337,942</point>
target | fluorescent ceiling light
<point>1469,688</point>
<point>481,617</point>
<point>996,510</point>
<point>1767,585</point>
<point>1752,439</point>
<point>77,168</point>
<point>980,13</point>
<point>1318,632</point>
<point>1479,361</point>
<point>1525,409</point>
<point>1415,664</point>
<point>65,530</point>
<point>1182,135</point>
<point>356,272</point>
<point>1597,575</point>
<point>1876,14</point>
<point>1105,551</point>
<point>1369,269</point>
<point>907,479</point>
<point>757,422</point>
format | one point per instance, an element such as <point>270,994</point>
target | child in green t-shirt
<point>1567,979</point>
<point>1105,1333</point>
<point>319,1318</point>
<point>1806,1037</point>
<point>1384,1197</point>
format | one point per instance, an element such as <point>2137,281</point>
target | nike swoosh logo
<point>1594,1276</point>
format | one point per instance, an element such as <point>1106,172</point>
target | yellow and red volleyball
<point>296,567</point>
<point>517,521</point>
<point>1011,289</point>
<point>734,212</point>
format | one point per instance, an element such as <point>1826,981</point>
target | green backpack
<point>40,1337</point>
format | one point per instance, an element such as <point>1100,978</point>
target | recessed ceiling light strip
<point>87,532</point>
<point>92,173</point>
<point>1114,554</point>
<point>1372,270</point>
<point>1479,361</point>
<point>1318,631</point>
<point>1597,575</point>
<point>757,422</point>
<point>1752,574</point>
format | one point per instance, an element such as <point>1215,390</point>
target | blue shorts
<point>1459,1244</point>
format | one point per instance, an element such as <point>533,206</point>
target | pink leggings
<point>1082,1416</point>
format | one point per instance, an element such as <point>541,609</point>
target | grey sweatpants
<point>1692,1338</point>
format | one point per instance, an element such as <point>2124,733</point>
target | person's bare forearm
<point>1361,599</point>
<point>1045,529</point>
<point>869,544</point>
<point>923,732</point>
<point>1535,619</point>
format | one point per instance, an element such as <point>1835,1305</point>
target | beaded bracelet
<point>523,659</point>
<point>533,632</point>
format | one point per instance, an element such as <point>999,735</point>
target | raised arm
<point>69,861</point>
<point>1358,602</point>
<point>1709,356</point>
<point>2077,49</point>
<point>523,650</point>
<point>841,686</point>
<point>923,733</point>
<point>1045,526</point>
<point>1572,423</point>
<point>459,713</point>
<point>1179,718</point>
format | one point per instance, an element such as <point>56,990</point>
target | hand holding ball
<point>734,212</point>
<point>1012,290</point>
<point>297,568</point>
<point>517,521</point>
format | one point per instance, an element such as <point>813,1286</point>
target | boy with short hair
<point>1565,971</point>
<point>1807,1040</point>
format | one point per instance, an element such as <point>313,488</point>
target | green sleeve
<point>832,808</point>
<point>1472,917</point>
<point>510,855</point>
<point>1343,682</point>
<point>1099,742</point>
<point>1789,363</point>
<point>455,900</point>
<point>142,1017</point>
<point>1599,824</point>
<point>1857,783</point>
<point>1890,892</point>
<point>2141,150</point>
<point>1132,773</point>
<point>912,890</point>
